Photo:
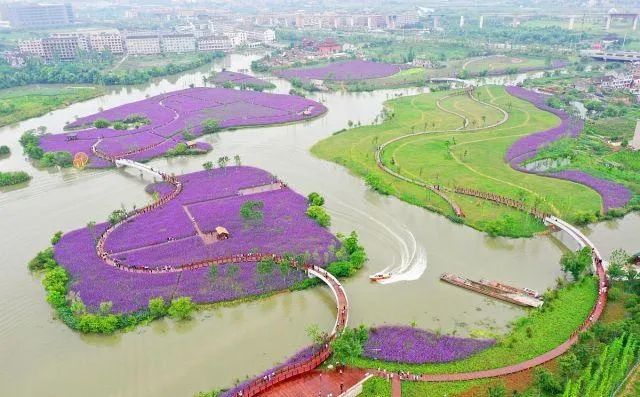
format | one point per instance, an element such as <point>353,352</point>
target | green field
<point>499,63</point>
<point>465,159</point>
<point>141,62</point>
<point>17,104</point>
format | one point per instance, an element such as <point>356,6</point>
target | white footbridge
<point>139,166</point>
<point>577,235</point>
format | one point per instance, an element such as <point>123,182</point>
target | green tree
<point>210,126</point>
<point>319,214</point>
<point>208,165</point>
<point>315,199</point>
<point>576,262</point>
<point>181,308</point>
<point>349,345</point>
<point>101,123</point>
<point>223,161</point>
<point>56,238</point>
<point>157,307</point>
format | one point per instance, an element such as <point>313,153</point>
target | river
<point>41,356</point>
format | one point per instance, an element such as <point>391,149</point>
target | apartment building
<point>32,47</point>
<point>214,43</point>
<point>59,47</point>
<point>178,42</point>
<point>143,44</point>
<point>106,41</point>
<point>264,36</point>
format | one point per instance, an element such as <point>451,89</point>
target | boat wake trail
<point>411,262</point>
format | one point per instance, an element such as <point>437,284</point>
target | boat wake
<point>412,260</point>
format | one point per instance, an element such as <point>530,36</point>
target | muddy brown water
<point>41,356</point>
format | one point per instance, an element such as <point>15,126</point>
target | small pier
<point>517,296</point>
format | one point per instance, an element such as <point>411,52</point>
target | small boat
<point>379,276</point>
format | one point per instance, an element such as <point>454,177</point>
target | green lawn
<point>549,326</point>
<point>502,63</point>
<point>469,159</point>
<point>21,103</point>
<point>404,78</point>
<point>141,62</point>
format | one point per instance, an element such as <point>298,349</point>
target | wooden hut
<point>222,233</point>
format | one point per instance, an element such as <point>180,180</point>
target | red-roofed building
<point>328,47</point>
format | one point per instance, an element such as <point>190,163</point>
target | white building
<point>263,36</point>
<point>143,44</point>
<point>178,42</point>
<point>106,41</point>
<point>32,47</point>
<point>214,43</point>
<point>237,38</point>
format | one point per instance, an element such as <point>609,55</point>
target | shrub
<point>61,159</point>
<point>576,262</point>
<point>117,215</point>
<point>43,260</point>
<point>319,215</point>
<point>349,345</point>
<point>101,123</point>
<point>251,210</point>
<point>376,183</point>
<point>315,199</point>
<point>208,165</point>
<point>210,126</point>
<point>119,125</point>
<point>4,150</point>
<point>96,324</point>
<point>30,143</point>
<point>157,307</point>
<point>56,238</point>
<point>584,218</point>
<point>13,178</point>
<point>181,308</point>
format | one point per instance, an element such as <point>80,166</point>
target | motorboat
<point>379,276</point>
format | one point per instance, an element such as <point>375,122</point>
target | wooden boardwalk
<point>396,387</point>
<point>317,384</point>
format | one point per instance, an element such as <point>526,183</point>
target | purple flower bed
<point>170,114</point>
<point>343,71</point>
<point>415,346</point>
<point>285,229</point>
<point>239,79</point>
<point>614,195</point>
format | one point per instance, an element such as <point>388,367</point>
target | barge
<point>517,296</point>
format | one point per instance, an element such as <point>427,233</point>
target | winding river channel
<point>41,356</point>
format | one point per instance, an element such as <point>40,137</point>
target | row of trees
<point>97,72</point>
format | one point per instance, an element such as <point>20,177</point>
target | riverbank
<point>22,103</point>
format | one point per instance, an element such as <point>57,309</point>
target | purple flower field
<point>171,114</point>
<point>614,195</point>
<point>342,71</point>
<point>416,346</point>
<point>238,79</point>
<point>212,198</point>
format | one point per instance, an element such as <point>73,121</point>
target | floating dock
<point>494,289</point>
